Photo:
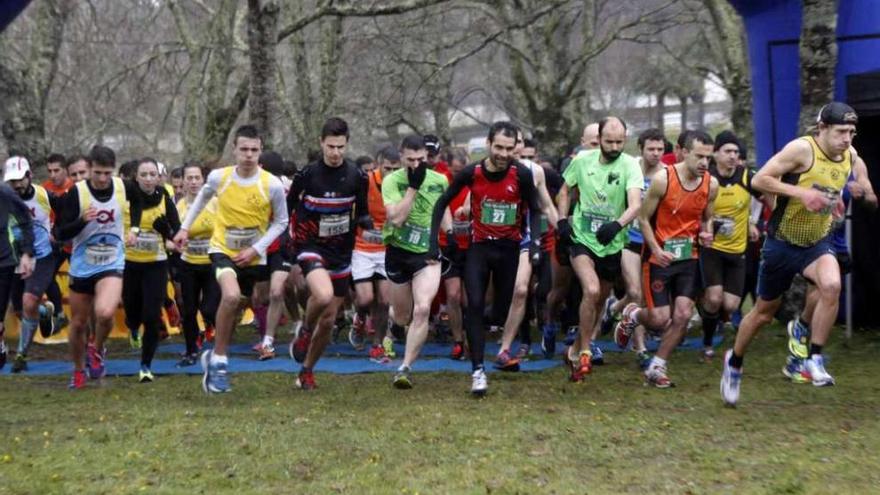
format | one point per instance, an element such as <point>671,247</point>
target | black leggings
<point>144,286</point>
<point>498,259</point>
<point>200,293</point>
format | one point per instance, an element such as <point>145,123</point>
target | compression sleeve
<point>279,216</point>
<point>462,179</point>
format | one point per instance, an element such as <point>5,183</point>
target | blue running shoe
<point>798,338</point>
<point>598,358</point>
<point>571,335</point>
<point>796,371</point>
<point>608,318</point>
<point>643,359</point>
<point>215,379</point>
<point>548,339</point>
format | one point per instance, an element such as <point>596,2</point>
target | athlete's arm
<point>22,215</point>
<point>397,212</point>
<point>296,189</point>
<point>563,201</point>
<point>135,204</point>
<point>361,203</point>
<point>544,198</point>
<point>861,188</point>
<point>707,230</point>
<point>649,207</point>
<point>169,223</point>
<point>796,156</point>
<point>69,222</point>
<point>633,205</point>
<point>462,179</point>
<point>279,217</point>
<point>530,196</point>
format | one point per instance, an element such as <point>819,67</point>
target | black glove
<point>563,230</point>
<point>416,176</point>
<point>535,252</point>
<point>365,222</point>
<point>433,252</point>
<point>450,252</point>
<point>607,232</point>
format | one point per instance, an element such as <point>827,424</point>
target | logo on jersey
<point>614,178</point>
<point>657,286</point>
<point>106,216</point>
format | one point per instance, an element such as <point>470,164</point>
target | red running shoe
<point>306,380</point>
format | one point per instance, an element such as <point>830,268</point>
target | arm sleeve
<point>22,215</point>
<point>749,173</point>
<point>205,194</point>
<point>69,223</point>
<point>360,200</point>
<point>279,216</point>
<point>296,189</point>
<point>530,198</point>
<point>135,204</point>
<point>462,179</point>
<point>169,224</point>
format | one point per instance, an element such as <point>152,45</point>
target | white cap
<point>15,168</point>
<point>163,170</point>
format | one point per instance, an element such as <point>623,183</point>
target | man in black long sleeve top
<point>502,191</point>
<point>11,206</point>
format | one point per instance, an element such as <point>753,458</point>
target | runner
<point>609,186</point>
<point>454,258</point>
<point>198,286</point>
<point>250,214</point>
<point>676,214</point>
<point>807,177</point>
<point>409,195</point>
<point>326,196</point>
<point>77,168</point>
<point>502,189</point>
<point>92,217</point>
<point>56,185</point>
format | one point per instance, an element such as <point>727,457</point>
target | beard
<point>610,156</point>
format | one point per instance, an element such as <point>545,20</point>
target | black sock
<point>398,331</point>
<point>815,349</point>
<point>735,361</point>
<point>710,324</point>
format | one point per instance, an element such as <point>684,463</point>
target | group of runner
<point>636,244</point>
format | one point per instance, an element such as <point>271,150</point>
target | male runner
<point>676,214</point>
<point>455,253</point>
<point>327,195</point>
<point>251,213</point>
<point>609,187</point>
<point>409,195</point>
<point>502,189</point>
<point>56,185</point>
<point>91,215</point>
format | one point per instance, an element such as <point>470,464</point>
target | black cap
<point>432,144</point>
<point>837,113</point>
<point>725,137</point>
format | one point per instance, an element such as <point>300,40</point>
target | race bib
<point>593,222</point>
<point>498,213</point>
<point>723,226</point>
<point>461,228</point>
<point>147,242</point>
<point>198,247</point>
<point>238,239</point>
<point>415,235</point>
<point>680,247</point>
<point>832,194</point>
<point>372,236</point>
<point>333,225</point>
<point>101,254</point>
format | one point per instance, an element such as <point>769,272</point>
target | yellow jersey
<point>731,211</point>
<point>243,214</point>
<point>200,232</point>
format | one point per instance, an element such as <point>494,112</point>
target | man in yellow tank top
<point>807,178</point>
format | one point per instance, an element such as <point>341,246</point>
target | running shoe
<point>388,345</point>
<point>60,322</point>
<point>522,353</point>
<point>730,381</point>
<point>145,375</point>
<point>173,314</point>
<point>581,367</point>
<point>402,380</point>
<point>608,317</point>
<point>3,352</point>
<point>457,351</point>
<point>707,355</point>
<point>215,379</point>
<point>624,329</point>
<point>299,347</point>
<point>504,362</point>
<point>571,335</point>
<point>47,323</point>
<point>816,368</point>
<point>357,333</point>
<point>266,352</point>
<point>796,371</point>
<point>96,362</point>
<point>643,359</point>
<point>548,339</point>
<point>134,339</point>
<point>656,375</point>
<point>19,364</point>
<point>306,380</point>
<point>209,333</point>
<point>77,380</point>
<point>479,383</point>
<point>188,360</point>
<point>598,356</point>
<point>377,353</point>
<point>798,339</point>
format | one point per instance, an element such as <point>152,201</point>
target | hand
<point>181,238</point>
<point>663,258</point>
<point>462,212</point>
<point>244,257</point>
<point>416,175</point>
<point>433,254</point>
<point>856,190</point>
<point>754,233</point>
<point>706,238</point>
<point>608,232</point>
<point>90,214</point>
<point>450,252</point>
<point>130,239</point>
<point>25,266</point>
<point>839,210</point>
<point>365,222</point>
<point>563,230</point>
<point>170,246</point>
<point>535,252</point>
<point>815,200</point>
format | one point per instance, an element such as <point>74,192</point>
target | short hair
<point>248,131</point>
<point>177,173</point>
<point>193,164</point>
<point>667,146</point>
<point>683,137</point>
<point>73,159</point>
<point>272,162</point>
<point>334,126</point>
<point>363,160</point>
<point>413,142</point>
<point>389,153</point>
<point>606,120</point>
<point>128,170</point>
<point>55,158</point>
<point>530,143</point>
<point>459,154</point>
<point>102,156</point>
<point>701,136</point>
<point>504,128</point>
<point>652,134</point>
<point>289,167</point>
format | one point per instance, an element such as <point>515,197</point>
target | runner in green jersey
<point>409,195</point>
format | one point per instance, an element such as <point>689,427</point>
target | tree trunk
<point>262,28</point>
<point>661,111</point>
<point>700,99</point>
<point>818,56</point>
<point>683,106</point>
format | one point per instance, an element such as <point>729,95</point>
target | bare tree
<point>818,58</point>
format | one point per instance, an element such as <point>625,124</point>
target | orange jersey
<point>55,190</point>
<point>371,241</point>
<point>676,222</point>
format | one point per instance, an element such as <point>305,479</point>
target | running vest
<point>41,213</point>
<point>243,213</point>
<point>676,222</point>
<point>99,247</point>
<point>731,212</point>
<point>370,241</point>
<point>200,232</point>
<point>496,206</point>
<point>149,245</point>
<point>791,221</point>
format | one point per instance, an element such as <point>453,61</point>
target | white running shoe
<point>479,383</point>
<point>730,381</point>
<point>816,368</point>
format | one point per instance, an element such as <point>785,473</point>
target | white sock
<point>658,362</point>
<point>218,359</point>
<point>268,340</point>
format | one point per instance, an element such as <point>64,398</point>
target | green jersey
<point>415,233</point>
<point>602,191</point>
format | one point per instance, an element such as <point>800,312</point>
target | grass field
<point>535,433</point>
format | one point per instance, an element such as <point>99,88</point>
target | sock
<point>478,367</point>
<point>710,324</point>
<point>28,327</point>
<point>268,340</point>
<point>398,331</point>
<point>815,349</point>
<point>657,362</point>
<point>217,359</point>
<point>403,368</point>
<point>735,361</point>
